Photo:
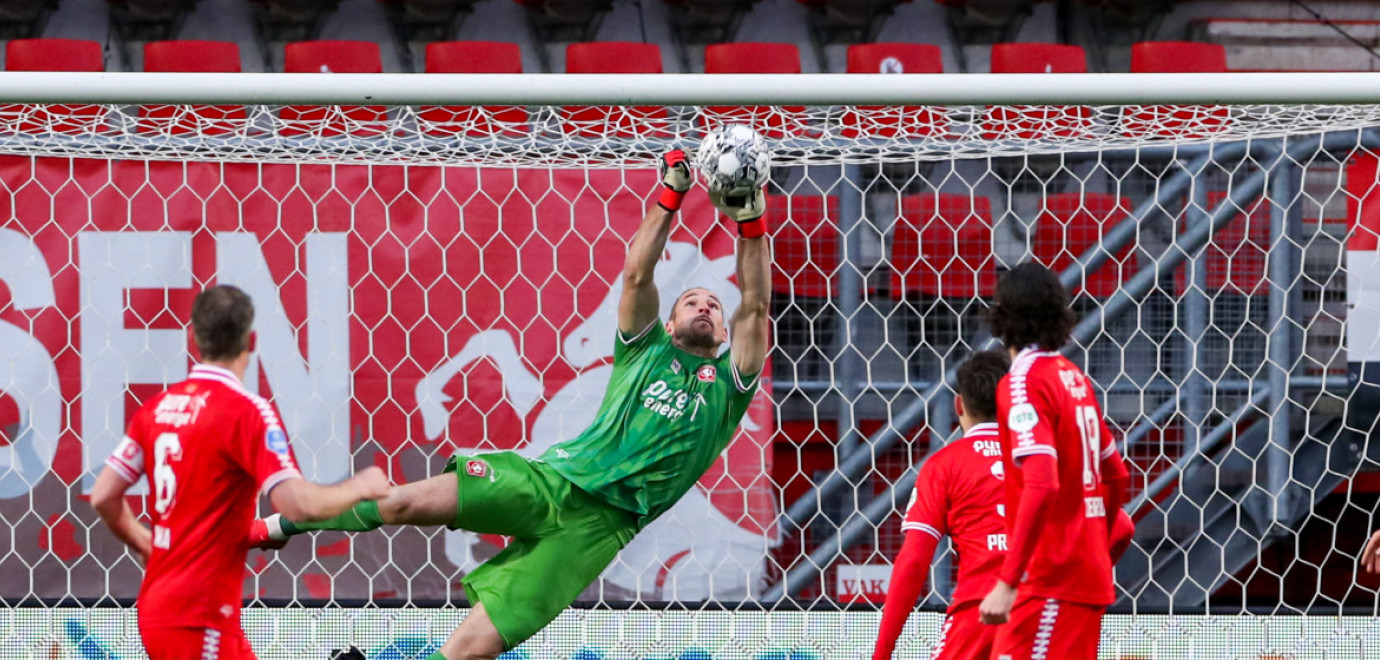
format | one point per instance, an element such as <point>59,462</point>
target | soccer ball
<point>734,160</point>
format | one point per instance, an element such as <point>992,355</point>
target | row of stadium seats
<point>631,57</point>
<point>942,246</point>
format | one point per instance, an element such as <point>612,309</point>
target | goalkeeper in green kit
<point>672,406</point>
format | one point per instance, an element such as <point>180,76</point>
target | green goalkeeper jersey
<point>666,416</point>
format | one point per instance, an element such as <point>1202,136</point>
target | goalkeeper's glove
<point>746,210</point>
<point>675,176</point>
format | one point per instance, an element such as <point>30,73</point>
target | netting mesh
<point>434,280</point>
<point>485,136</point>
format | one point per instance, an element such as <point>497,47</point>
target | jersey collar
<point>985,428</point>
<point>219,374</point>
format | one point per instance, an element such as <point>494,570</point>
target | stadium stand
<point>283,21</point>
<point>845,22</point>
<point>754,58</point>
<point>332,57</point>
<point>942,267</point>
<point>892,121</point>
<point>704,22</point>
<point>424,21</point>
<point>191,56</point>
<point>473,57</point>
<point>1117,23</point>
<point>973,22</point>
<point>25,19</point>
<point>613,57</point>
<point>146,21</point>
<point>53,55</point>
<point>563,20</point>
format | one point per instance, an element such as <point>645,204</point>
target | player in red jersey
<point>958,492</point>
<point>1063,473</point>
<point>209,446</point>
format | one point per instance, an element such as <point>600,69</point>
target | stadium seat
<point>893,121</point>
<point>191,57</point>
<point>552,21</point>
<point>52,55</point>
<point>981,22</point>
<point>333,57</point>
<point>145,21</point>
<point>613,57</point>
<point>1236,258</point>
<point>1071,224</point>
<point>473,57</point>
<point>805,250</point>
<point>425,21</point>
<point>755,58</point>
<point>1037,122</point>
<point>941,246</point>
<point>1184,121</point>
<point>285,21</point>
<point>704,22</point>
<point>942,266</point>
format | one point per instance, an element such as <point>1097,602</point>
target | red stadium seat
<point>942,247</point>
<point>473,57</point>
<point>1184,121</point>
<point>1037,122</point>
<point>806,248</point>
<point>1236,258</point>
<point>333,57</point>
<point>613,57</point>
<point>893,121</point>
<point>52,55</point>
<point>191,57</point>
<point>1071,224</point>
<point>755,58</point>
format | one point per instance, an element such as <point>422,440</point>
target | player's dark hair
<point>1031,307</point>
<point>222,317</point>
<point>978,378</point>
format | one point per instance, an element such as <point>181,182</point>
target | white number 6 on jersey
<point>168,447</point>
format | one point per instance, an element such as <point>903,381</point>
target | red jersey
<point>1045,405</point>
<point>209,447</point>
<point>959,493</point>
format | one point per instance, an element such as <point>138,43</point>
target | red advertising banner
<point>404,314</point>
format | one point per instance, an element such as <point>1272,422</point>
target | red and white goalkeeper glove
<point>675,176</point>
<point>746,210</point>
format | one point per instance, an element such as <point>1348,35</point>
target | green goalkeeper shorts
<point>562,539</point>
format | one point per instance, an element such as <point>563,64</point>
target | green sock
<point>361,517</point>
<point>437,656</point>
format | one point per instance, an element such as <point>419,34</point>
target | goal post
<point>435,261</point>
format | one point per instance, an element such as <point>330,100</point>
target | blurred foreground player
<point>1063,474</point>
<point>959,492</point>
<point>673,404</point>
<point>209,447</point>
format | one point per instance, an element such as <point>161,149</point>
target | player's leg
<point>529,583</point>
<point>964,636</point>
<point>426,502</point>
<point>1046,629</point>
<point>475,638</point>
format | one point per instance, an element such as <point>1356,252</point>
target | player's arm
<point>638,306</point>
<point>108,499</point>
<point>924,525</point>
<point>1115,479</point>
<point>750,328</point>
<point>300,500</point>
<point>1034,451</point>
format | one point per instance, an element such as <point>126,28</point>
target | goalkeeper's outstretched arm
<point>638,306</point>
<point>750,328</point>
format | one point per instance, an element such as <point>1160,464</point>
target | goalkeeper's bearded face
<point>697,320</point>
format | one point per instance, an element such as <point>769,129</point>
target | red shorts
<point>964,636</point>
<point>1049,629</point>
<point>180,643</point>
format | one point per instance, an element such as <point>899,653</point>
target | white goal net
<point>438,277</point>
